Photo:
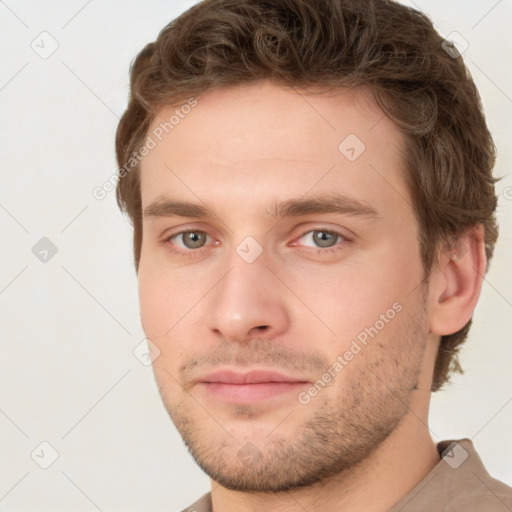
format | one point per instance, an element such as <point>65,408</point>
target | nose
<point>248,302</point>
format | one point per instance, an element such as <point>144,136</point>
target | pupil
<point>323,238</point>
<point>194,239</point>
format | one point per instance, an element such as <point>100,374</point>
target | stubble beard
<point>342,429</point>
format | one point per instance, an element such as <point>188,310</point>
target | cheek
<point>157,298</point>
<point>162,318</point>
<point>348,290</point>
<point>350,300</point>
<point>167,300</point>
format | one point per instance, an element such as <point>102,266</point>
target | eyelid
<point>344,233</point>
<point>168,238</point>
<point>343,240</point>
<point>185,228</point>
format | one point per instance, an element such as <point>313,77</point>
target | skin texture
<point>362,441</point>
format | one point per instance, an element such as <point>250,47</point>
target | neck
<point>374,485</point>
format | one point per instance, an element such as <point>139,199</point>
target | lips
<point>254,386</point>
<point>253,377</point>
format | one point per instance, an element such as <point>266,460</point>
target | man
<point>310,185</point>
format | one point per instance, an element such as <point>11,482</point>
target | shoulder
<point>203,504</point>
<point>489,496</point>
<point>474,488</point>
<point>458,483</point>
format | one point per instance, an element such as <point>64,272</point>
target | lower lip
<point>249,393</point>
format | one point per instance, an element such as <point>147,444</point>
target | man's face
<point>291,332</point>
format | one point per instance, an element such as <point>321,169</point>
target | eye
<point>188,239</point>
<point>321,238</point>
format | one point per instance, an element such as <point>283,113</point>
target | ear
<point>456,283</point>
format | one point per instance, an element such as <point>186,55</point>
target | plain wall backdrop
<point>70,320</point>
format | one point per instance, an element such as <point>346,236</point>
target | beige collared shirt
<point>458,483</point>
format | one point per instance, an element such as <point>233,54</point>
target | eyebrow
<point>332,203</point>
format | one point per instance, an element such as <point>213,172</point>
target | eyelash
<point>190,253</point>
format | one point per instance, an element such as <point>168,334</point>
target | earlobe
<point>455,290</point>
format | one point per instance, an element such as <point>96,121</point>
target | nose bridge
<point>245,302</point>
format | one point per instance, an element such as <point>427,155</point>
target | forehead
<point>262,137</point>
<point>262,110</point>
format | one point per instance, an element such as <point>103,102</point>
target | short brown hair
<point>416,77</point>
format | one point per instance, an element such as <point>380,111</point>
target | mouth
<point>251,387</point>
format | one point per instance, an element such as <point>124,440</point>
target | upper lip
<point>251,377</point>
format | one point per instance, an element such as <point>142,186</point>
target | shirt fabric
<point>458,483</point>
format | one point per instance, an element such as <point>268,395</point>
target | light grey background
<point>69,325</point>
